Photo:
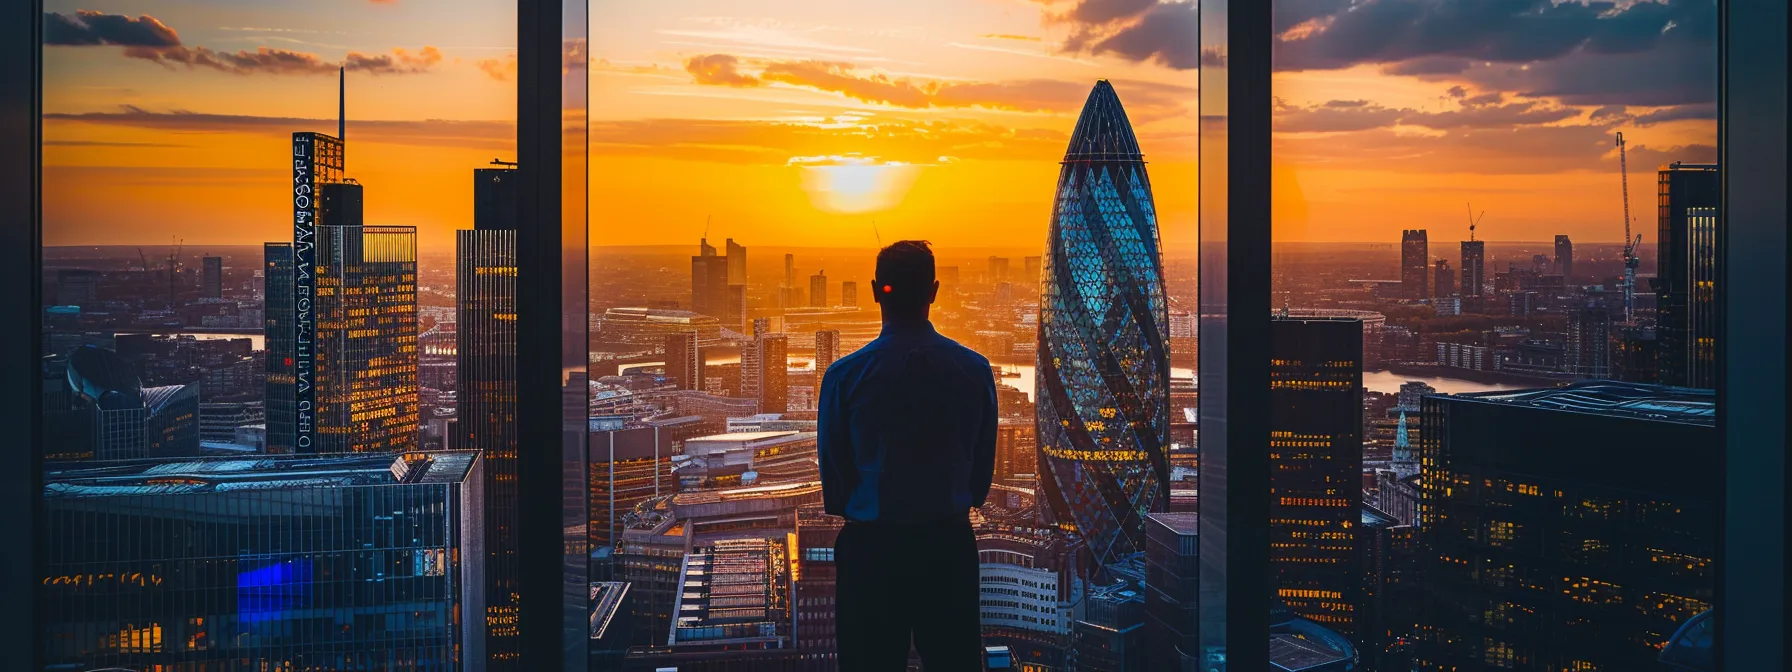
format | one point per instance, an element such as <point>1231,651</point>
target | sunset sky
<point>802,122</point>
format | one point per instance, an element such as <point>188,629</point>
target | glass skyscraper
<point>367,562</point>
<point>1687,273</point>
<point>277,320</point>
<point>366,338</point>
<point>1103,382</point>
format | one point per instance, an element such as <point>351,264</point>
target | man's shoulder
<point>958,350</point>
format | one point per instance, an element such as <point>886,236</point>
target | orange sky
<point>802,122</point>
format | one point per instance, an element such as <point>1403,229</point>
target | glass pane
<point>751,159</point>
<point>278,368</point>
<point>578,597</point>
<point>1467,436</point>
<point>1214,589</point>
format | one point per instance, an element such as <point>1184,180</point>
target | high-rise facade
<point>1444,281</point>
<point>281,404</point>
<point>774,376</point>
<point>1553,536</point>
<point>684,361</point>
<point>998,269</point>
<point>709,281</point>
<point>486,406</point>
<point>277,563</point>
<point>849,294</point>
<point>1030,265</point>
<point>320,197</point>
<point>1687,273</point>
<point>737,263</point>
<point>1316,465</point>
<point>627,466</point>
<point>1415,262</point>
<point>817,580</point>
<point>1103,432</point>
<point>790,270</point>
<point>1565,258</point>
<point>1589,344</point>
<point>366,367</point>
<point>818,289</point>
<point>1172,595</point>
<point>1474,269</point>
<point>211,279</point>
<point>827,349</point>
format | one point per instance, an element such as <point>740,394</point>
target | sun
<point>852,184</point>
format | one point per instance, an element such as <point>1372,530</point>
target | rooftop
<point>200,475</point>
<point>742,436</point>
<point>1635,400</point>
<point>1182,522</point>
<point>656,315</point>
<point>1293,654</point>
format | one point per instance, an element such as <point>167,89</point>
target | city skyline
<point>815,120</point>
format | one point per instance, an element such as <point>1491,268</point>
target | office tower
<point>737,263</point>
<point>1565,257</point>
<point>815,579</point>
<point>627,466</point>
<point>1474,271</point>
<point>282,563</point>
<point>1444,282</point>
<point>998,269</point>
<point>734,308</point>
<point>818,289</point>
<point>1031,266</point>
<point>827,349</point>
<point>318,162</point>
<point>1104,433</point>
<point>366,366</point>
<point>849,294</point>
<point>774,390</point>
<point>947,276</point>
<point>709,282</point>
<point>1589,346</point>
<point>280,403</point>
<point>1687,273</point>
<point>1386,613</point>
<point>1636,355</point>
<point>1316,465</point>
<point>1172,577</point>
<point>1415,258</point>
<point>790,270</point>
<point>1111,634</point>
<point>1031,585</point>
<point>211,284</point>
<point>485,385</point>
<point>1563,528</point>
<point>684,361</point>
<point>1017,459</point>
<point>109,418</point>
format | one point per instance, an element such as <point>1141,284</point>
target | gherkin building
<point>1103,382</point>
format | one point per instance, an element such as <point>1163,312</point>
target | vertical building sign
<point>304,263</point>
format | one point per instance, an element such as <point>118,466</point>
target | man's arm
<point>983,461</point>
<point>839,473</point>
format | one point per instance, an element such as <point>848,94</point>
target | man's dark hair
<point>905,274</point>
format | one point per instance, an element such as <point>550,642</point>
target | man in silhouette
<point>907,448</point>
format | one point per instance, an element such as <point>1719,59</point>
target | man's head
<point>904,284</point>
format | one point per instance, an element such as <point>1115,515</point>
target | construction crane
<point>142,261</point>
<point>1630,245</point>
<point>1473,219</point>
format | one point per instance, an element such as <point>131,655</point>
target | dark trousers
<point>901,580</point>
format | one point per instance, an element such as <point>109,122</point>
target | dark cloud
<point>399,62</point>
<point>1702,111</point>
<point>1106,11</point>
<point>1213,57</point>
<point>1524,150</point>
<point>718,69</point>
<point>431,132</point>
<point>1483,111</point>
<point>1609,113</point>
<point>1166,33</point>
<point>91,28</point>
<point>264,60</point>
<point>1584,53</point>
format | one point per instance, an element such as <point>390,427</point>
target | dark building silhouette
<point>280,404</point>
<point>1564,257</point>
<point>1104,434</point>
<point>1316,465</point>
<point>709,282</point>
<point>1444,281</point>
<point>818,289</point>
<point>827,349</point>
<point>278,563</point>
<point>1415,262</point>
<point>485,380</point>
<point>211,279</point>
<point>1474,271</point>
<point>1687,273</point>
<point>1554,536</point>
<point>849,294</point>
<point>1589,346</point>
<point>1172,582</point>
<point>737,263</point>
<point>816,579</point>
<point>684,361</point>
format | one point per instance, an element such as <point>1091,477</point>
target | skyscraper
<point>684,361</point>
<point>734,307</point>
<point>1031,266</point>
<point>789,270</point>
<point>1553,536</point>
<point>366,366</point>
<point>1103,431</point>
<point>774,386</point>
<point>709,282</point>
<point>1316,465</point>
<point>212,278</point>
<point>281,403</point>
<point>818,289</point>
<point>1445,282</point>
<point>849,294</point>
<point>486,408</point>
<point>827,349</point>
<point>998,269</point>
<point>737,263</point>
<point>1687,273</point>
<point>282,563</point>
<point>1172,582</point>
<point>1589,346</point>
<point>318,161</point>
<point>1474,271</point>
<point>1565,258</point>
<point>1415,257</point>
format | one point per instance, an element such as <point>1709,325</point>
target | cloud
<point>428,132</point>
<point>264,60</point>
<point>501,69</point>
<point>1522,150</point>
<point>1702,111</point>
<point>1167,34</point>
<point>1007,36</point>
<point>399,62</point>
<point>1584,53</point>
<point>91,28</point>
<point>890,139</point>
<point>718,69</point>
<point>1489,111</point>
